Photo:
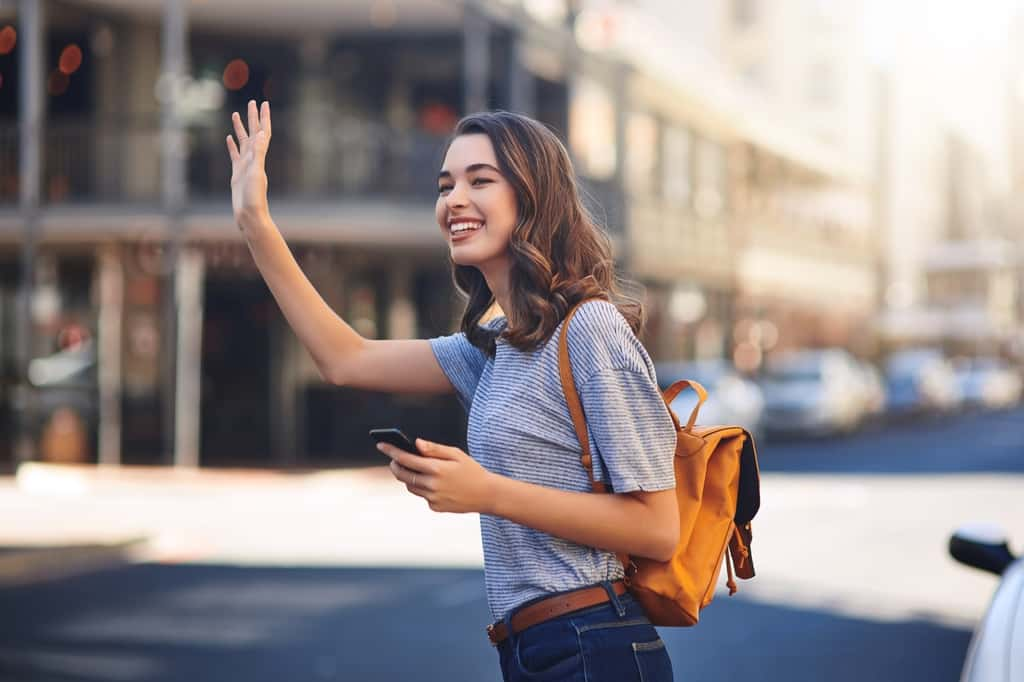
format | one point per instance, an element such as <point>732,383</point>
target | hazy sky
<point>962,50</point>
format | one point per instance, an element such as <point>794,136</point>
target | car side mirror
<point>983,546</point>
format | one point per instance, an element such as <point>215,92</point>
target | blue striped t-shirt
<point>520,427</point>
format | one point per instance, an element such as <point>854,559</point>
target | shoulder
<point>601,338</point>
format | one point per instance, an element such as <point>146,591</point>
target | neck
<point>497,281</point>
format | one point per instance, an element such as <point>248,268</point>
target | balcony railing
<point>341,157</point>
<point>117,160</point>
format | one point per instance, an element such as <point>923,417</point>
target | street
<point>853,579</point>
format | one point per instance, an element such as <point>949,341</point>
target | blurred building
<point>804,235</point>
<point>153,339</point>
<point>973,297</point>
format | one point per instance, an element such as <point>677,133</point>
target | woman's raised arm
<point>341,354</point>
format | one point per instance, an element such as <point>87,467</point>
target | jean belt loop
<point>614,598</point>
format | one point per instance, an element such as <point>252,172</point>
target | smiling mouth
<point>463,229</point>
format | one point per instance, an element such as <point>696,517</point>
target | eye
<point>444,188</point>
<point>482,181</point>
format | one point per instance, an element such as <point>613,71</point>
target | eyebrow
<point>469,169</point>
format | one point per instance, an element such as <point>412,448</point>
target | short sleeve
<point>632,435</point>
<point>462,363</point>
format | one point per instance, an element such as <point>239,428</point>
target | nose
<point>456,197</point>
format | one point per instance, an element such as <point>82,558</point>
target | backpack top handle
<point>675,389</point>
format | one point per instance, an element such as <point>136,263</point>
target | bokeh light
<point>236,74</point>
<point>57,83</point>
<point>746,357</point>
<point>70,59</point>
<point>8,39</point>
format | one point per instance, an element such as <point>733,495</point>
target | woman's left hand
<point>445,476</point>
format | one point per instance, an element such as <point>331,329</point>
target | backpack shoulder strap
<point>572,397</point>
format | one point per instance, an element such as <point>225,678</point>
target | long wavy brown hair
<point>559,254</point>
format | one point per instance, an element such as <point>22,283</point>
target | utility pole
<point>31,113</point>
<point>179,441</point>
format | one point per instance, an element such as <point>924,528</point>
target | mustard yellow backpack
<point>718,490</point>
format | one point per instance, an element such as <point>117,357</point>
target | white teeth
<point>463,227</point>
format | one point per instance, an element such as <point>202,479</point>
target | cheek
<point>439,213</point>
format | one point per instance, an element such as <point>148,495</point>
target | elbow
<point>667,540</point>
<point>331,374</point>
<point>666,547</point>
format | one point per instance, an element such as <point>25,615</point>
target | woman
<point>509,207</point>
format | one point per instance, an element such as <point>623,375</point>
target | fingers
<point>437,450</point>
<point>265,118</point>
<point>240,133</point>
<point>407,460</point>
<point>415,481</point>
<point>232,149</point>
<point>254,118</point>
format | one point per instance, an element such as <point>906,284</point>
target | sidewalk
<point>865,546</point>
<point>62,519</point>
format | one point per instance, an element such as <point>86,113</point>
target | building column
<point>522,90</point>
<point>188,379</point>
<point>31,21</point>
<point>401,322</point>
<point>476,59</point>
<point>110,278</point>
<point>174,192</point>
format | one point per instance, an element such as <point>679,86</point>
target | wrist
<point>253,221</point>
<point>495,494</point>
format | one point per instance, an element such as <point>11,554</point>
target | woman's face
<point>476,205</point>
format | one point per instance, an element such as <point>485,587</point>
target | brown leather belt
<point>552,607</point>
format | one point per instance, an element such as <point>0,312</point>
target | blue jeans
<point>613,642</point>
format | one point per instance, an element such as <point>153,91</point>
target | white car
<point>813,392</point>
<point>919,381</point>
<point>988,382</point>
<point>873,389</point>
<point>732,399</point>
<point>996,652</point>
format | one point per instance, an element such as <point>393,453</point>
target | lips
<point>464,231</point>
<point>464,235</point>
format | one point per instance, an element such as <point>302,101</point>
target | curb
<point>28,565</point>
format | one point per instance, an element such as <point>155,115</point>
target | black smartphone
<point>394,437</point>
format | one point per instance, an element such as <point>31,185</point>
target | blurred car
<point>996,651</point>
<point>813,392</point>
<point>920,380</point>
<point>872,389</point>
<point>988,382</point>
<point>732,399</point>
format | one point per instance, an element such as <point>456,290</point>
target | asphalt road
<point>817,613</point>
<point>200,623</point>
<point>991,442</point>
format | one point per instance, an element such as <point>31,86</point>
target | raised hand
<point>248,170</point>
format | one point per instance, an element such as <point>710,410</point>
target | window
<point>676,173</point>
<point>709,198</point>
<point>641,154</point>
<point>592,130</point>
